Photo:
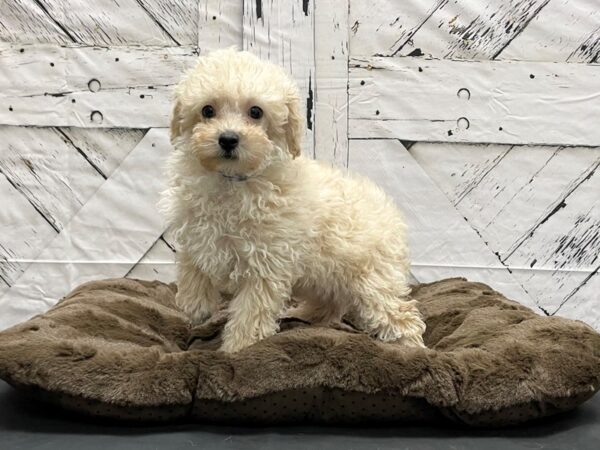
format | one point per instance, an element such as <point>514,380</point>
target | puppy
<point>254,219</point>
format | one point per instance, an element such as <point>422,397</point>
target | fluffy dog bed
<point>119,348</point>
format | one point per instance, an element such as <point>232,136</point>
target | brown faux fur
<point>119,348</point>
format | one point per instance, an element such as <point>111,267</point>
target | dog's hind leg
<point>386,315</point>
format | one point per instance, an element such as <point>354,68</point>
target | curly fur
<point>271,224</point>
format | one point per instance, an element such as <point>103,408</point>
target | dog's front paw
<point>197,310</point>
<point>406,332</point>
<point>236,338</point>
<point>200,316</point>
<point>415,341</point>
<point>233,346</point>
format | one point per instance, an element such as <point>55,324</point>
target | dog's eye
<point>255,112</point>
<point>208,111</point>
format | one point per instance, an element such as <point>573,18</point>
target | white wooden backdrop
<point>481,118</point>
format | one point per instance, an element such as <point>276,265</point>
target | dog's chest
<point>230,240</point>
<point>220,246</point>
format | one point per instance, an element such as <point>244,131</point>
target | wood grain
<point>507,102</point>
<point>24,232</point>
<point>331,85</point>
<point>90,86</point>
<point>385,27</point>
<point>498,186</point>
<point>25,22</point>
<point>532,30</point>
<point>103,149</point>
<point>158,263</point>
<point>47,171</point>
<point>48,174</point>
<point>282,31</point>
<point>177,18</point>
<point>472,29</point>
<point>219,24</point>
<point>582,302</point>
<point>534,206</point>
<point>108,235</point>
<point>564,30</point>
<point>108,22</point>
<point>567,246</point>
<point>442,243</point>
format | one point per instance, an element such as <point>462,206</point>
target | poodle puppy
<point>254,219</point>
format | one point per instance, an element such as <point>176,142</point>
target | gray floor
<point>27,425</point>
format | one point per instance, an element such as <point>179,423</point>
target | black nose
<point>228,141</point>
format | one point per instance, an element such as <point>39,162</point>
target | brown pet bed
<point>120,349</point>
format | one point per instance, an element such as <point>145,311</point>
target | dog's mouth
<point>235,177</point>
<point>229,156</point>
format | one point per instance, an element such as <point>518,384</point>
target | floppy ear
<point>294,128</point>
<point>176,122</point>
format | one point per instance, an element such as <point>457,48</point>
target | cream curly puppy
<point>255,219</point>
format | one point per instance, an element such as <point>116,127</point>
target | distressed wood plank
<point>582,302</point>
<point>107,237</point>
<point>89,86</point>
<point>178,18</point>
<point>533,30</point>
<point>514,197</point>
<point>385,27</point>
<point>570,241</point>
<point>23,21</point>
<point>589,50</point>
<point>219,24</point>
<point>157,264</point>
<point>283,32</point>
<point>104,149</point>
<point>331,93</point>
<point>49,172</point>
<point>472,29</point>
<point>564,30</point>
<point>502,190</point>
<point>509,102</point>
<point>51,179</point>
<point>442,242</point>
<point>23,231</point>
<point>108,22</point>
<point>566,23</point>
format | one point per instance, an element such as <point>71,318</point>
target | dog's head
<point>236,114</point>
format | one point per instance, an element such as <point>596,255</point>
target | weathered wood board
<point>472,29</point>
<point>442,243</point>
<point>219,24</point>
<point>331,92</point>
<point>25,21</point>
<point>564,30</point>
<point>108,235</point>
<point>537,214</point>
<point>282,31</point>
<point>157,264</point>
<point>385,27</point>
<point>461,101</point>
<point>107,22</point>
<point>90,86</point>
<point>48,174</point>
